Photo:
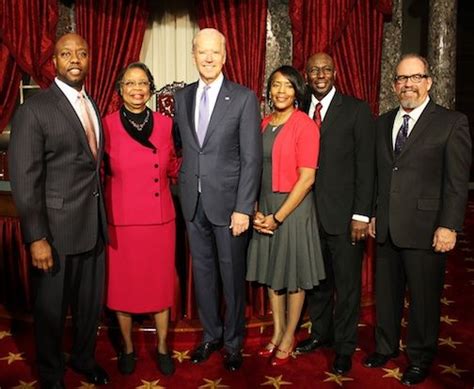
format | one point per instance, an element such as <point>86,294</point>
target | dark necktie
<point>402,135</point>
<point>317,115</point>
<point>203,119</point>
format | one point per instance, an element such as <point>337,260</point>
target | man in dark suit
<point>54,157</point>
<point>423,161</point>
<point>219,126</point>
<point>343,193</point>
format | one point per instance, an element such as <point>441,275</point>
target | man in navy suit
<point>423,161</point>
<point>219,126</point>
<point>55,154</point>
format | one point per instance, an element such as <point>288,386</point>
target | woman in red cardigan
<point>285,252</point>
<point>141,253</point>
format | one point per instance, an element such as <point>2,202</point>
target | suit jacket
<point>54,177</point>
<point>230,159</point>
<point>345,177</point>
<point>426,186</point>
<point>137,186</point>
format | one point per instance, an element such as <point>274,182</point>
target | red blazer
<point>137,187</point>
<point>296,145</point>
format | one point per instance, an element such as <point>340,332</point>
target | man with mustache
<point>343,194</point>
<point>423,160</point>
<point>55,155</point>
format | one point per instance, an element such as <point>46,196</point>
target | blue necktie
<point>402,135</point>
<point>203,119</point>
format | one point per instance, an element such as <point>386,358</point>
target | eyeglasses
<point>315,70</point>
<point>134,84</point>
<point>415,78</point>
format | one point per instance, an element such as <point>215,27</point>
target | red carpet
<point>453,368</point>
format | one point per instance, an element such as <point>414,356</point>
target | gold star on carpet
<point>181,355</point>
<point>446,286</point>
<point>213,384</point>
<point>338,379</point>
<point>85,385</point>
<point>392,373</point>
<point>445,301</point>
<point>402,346</point>
<point>403,323</point>
<point>448,342</point>
<point>275,381</point>
<point>4,334</point>
<point>12,357</point>
<point>446,319</point>
<point>452,369</point>
<point>150,385</point>
<point>308,325</point>
<point>25,385</point>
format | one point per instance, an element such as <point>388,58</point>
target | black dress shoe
<point>378,360</point>
<point>204,351</point>
<point>310,344</point>
<point>414,375</point>
<point>45,384</point>
<point>233,361</point>
<point>95,375</point>
<point>342,364</point>
<point>127,362</point>
<point>165,363</point>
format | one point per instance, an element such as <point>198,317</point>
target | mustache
<point>408,89</point>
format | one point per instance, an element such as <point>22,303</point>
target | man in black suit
<point>219,126</point>
<point>343,193</point>
<point>54,157</point>
<point>423,161</point>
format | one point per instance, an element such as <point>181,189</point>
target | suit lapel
<point>332,113</point>
<point>190,99</point>
<point>223,102</point>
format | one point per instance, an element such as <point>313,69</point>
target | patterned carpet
<point>453,368</point>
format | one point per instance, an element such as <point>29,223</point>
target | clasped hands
<point>264,224</point>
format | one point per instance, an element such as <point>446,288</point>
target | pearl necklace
<point>138,127</point>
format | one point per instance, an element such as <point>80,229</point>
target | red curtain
<point>29,30</point>
<point>114,31</point>
<point>27,34</point>
<point>10,77</point>
<point>349,30</point>
<point>243,24</point>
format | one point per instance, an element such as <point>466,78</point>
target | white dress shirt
<point>72,96</point>
<point>212,92</point>
<point>414,116</point>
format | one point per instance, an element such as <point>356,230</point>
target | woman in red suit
<point>140,162</point>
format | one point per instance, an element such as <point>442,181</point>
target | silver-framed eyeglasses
<point>415,78</point>
<point>134,84</point>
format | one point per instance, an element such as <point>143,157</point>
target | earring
<point>270,103</point>
<point>296,104</point>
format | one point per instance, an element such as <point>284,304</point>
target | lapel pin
<point>227,98</point>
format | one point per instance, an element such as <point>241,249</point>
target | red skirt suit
<point>141,217</point>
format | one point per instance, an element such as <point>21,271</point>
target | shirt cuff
<point>361,218</point>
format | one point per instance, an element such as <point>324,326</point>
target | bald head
<point>209,54</point>
<point>320,74</point>
<point>71,59</point>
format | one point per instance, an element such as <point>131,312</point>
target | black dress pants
<point>423,272</point>
<point>334,305</point>
<point>76,281</point>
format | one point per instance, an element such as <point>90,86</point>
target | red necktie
<point>317,115</point>
<point>88,126</point>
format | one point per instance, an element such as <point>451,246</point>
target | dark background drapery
<point>244,25</point>
<point>114,31</point>
<point>27,36</point>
